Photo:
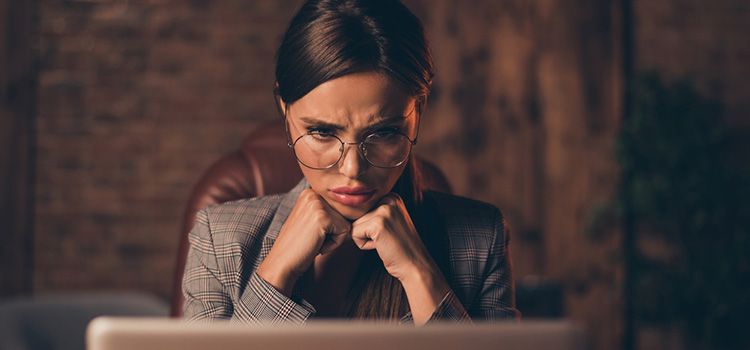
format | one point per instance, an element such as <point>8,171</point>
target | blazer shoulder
<point>246,204</point>
<point>236,220</point>
<point>462,215</point>
<point>468,207</point>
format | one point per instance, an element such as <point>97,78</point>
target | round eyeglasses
<point>382,149</point>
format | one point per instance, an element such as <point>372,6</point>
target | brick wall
<point>136,99</point>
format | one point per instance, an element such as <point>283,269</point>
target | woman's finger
<point>364,231</point>
<point>338,230</point>
<point>335,237</point>
<point>333,240</point>
<point>364,243</point>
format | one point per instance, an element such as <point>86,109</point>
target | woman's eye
<point>320,133</point>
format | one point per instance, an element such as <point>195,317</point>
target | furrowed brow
<point>321,123</point>
<point>387,121</point>
<point>327,124</point>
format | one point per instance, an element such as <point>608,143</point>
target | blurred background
<point>612,134</point>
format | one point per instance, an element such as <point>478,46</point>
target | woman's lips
<point>351,196</point>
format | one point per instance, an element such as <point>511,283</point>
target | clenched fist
<point>312,228</point>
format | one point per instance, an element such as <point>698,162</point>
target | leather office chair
<point>263,165</point>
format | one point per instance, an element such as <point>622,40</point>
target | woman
<point>357,237</point>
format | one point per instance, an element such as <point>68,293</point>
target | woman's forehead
<point>360,98</point>
<point>345,123</point>
<point>347,118</point>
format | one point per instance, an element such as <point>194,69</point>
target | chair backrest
<point>263,165</point>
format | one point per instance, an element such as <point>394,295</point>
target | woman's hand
<point>312,228</point>
<point>388,229</point>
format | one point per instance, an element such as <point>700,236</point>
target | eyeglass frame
<point>361,148</point>
<point>361,144</point>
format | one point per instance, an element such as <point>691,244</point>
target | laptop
<point>113,333</point>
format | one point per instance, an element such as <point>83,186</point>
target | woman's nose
<point>352,163</point>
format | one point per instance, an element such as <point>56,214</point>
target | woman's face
<point>352,107</point>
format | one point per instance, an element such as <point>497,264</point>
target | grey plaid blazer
<point>229,241</point>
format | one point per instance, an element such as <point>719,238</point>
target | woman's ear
<point>420,105</point>
<point>280,105</point>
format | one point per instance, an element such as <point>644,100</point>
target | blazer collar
<point>285,207</point>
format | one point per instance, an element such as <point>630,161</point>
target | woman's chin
<point>352,213</point>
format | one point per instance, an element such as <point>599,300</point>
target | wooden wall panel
<point>524,114</point>
<point>16,146</point>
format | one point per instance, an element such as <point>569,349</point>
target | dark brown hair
<point>328,39</point>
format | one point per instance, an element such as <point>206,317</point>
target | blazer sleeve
<point>263,303</point>
<point>208,295</point>
<point>496,297</point>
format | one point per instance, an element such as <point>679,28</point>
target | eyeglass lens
<point>321,151</point>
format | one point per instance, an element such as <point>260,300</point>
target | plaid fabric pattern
<point>228,242</point>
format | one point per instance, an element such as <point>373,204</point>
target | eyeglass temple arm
<point>419,121</point>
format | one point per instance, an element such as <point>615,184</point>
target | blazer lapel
<point>285,207</point>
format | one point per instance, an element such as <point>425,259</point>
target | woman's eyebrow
<point>323,123</point>
<point>327,124</point>
<point>387,121</point>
